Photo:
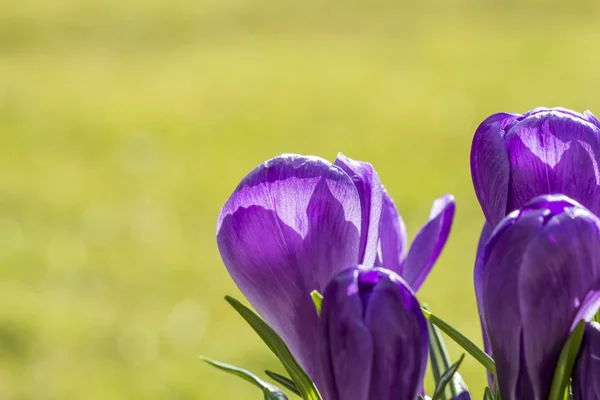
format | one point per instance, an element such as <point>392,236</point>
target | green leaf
<point>462,341</point>
<point>487,394</point>
<point>283,381</point>
<point>270,392</point>
<point>446,377</point>
<point>566,361</point>
<point>440,362</point>
<point>317,299</point>
<point>307,388</point>
<point>496,391</point>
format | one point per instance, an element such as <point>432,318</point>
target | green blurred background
<point>125,126</point>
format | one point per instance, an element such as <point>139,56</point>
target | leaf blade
<point>566,361</point>
<point>283,381</point>
<point>317,299</point>
<point>445,378</point>
<point>462,341</point>
<point>487,394</point>
<point>271,392</point>
<point>304,384</point>
<point>439,357</point>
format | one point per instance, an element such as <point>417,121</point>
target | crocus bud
<point>586,376</point>
<point>515,158</point>
<point>295,221</point>
<point>539,275</point>
<point>374,337</point>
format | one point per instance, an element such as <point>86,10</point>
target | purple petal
<point>392,237</point>
<point>370,191</point>
<point>288,228</point>
<point>429,242</point>
<point>552,204</point>
<point>503,257</point>
<point>490,167</point>
<point>588,310</point>
<point>558,110</point>
<point>554,151</point>
<point>486,232</point>
<point>586,382</point>
<point>588,116</point>
<point>347,345</point>
<point>400,340</point>
<point>560,267</point>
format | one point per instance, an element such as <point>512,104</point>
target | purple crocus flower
<point>515,158</point>
<point>586,376</point>
<point>539,275</point>
<point>295,221</point>
<point>374,337</point>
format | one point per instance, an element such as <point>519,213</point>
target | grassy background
<point>125,126</point>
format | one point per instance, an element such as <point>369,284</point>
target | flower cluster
<point>320,251</point>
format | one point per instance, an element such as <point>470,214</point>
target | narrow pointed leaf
<point>445,379</point>
<point>496,391</point>
<point>307,388</point>
<point>317,299</point>
<point>438,355</point>
<point>440,360</point>
<point>487,394</point>
<point>271,392</point>
<point>568,355</point>
<point>462,341</point>
<point>283,381</point>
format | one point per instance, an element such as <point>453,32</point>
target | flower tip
<point>447,198</point>
<point>443,204</point>
<point>554,203</point>
<point>589,116</point>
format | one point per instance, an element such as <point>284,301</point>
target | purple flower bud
<point>515,158</point>
<point>374,337</point>
<point>536,277</point>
